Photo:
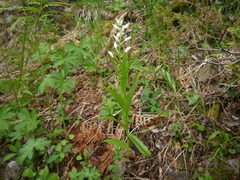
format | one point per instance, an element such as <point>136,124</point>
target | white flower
<point>111,54</point>
<point>116,38</point>
<point>116,26</point>
<point>119,34</point>
<point>125,26</point>
<point>127,39</point>
<point>127,49</point>
<point>119,22</point>
<point>115,45</point>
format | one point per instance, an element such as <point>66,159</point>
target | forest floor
<point>186,107</point>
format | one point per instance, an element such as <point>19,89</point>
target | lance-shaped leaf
<point>117,142</point>
<point>139,144</point>
<point>124,75</point>
<point>114,119</point>
<point>118,98</point>
<point>215,134</point>
<point>115,67</point>
<point>169,79</point>
<point>132,91</point>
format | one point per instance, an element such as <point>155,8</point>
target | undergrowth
<point>168,76</point>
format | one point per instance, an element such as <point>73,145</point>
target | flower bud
<point>119,22</point>
<point>116,38</point>
<point>111,54</point>
<point>116,26</point>
<point>115,45</point>
<point>127,39</point>
<point>127,49</point>
<point>125,26</point>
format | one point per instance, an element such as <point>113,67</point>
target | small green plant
<point>222,144</point>
<point>124,93</point>
<point>24,125</point>
<point>59,152</point>
<point>188,146</point>
<point>110,107</point>
<point>22,128</point>
<point>46,175</point>
<point>176,129</point>
<point>150,103</point>
<point>205,177</point>
<point>32,146</point>
<point>115,167</point>
<point>88,172</point>
<point>199,127</point>
<point>27,123</point>
<point>66,58</point>
<point>117,5</point>
<point>6,117</point>
<point>192,98</point>
<point>63,61</point>
<point>40,174</point>
<point>36,18</point>
<point>169,79</point>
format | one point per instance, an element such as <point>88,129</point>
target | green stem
<point>62,114</point>
<point>21,65</point>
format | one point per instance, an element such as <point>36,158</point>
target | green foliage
<point>199,126</point>
<point>139,144</point>
<point>192,98</point>
<point>61,63</point>
<point>6,116</point>
<point>29,172</point>
<point>109,107</point>
<point>117,143</point>
<point>27,123</point>
<point>115,167</point>
<point>150,103</point>
<point>117,5</point>
<point>222,144</point>
<point>176,128</point>
<point>41,54</point>
<point>45,73</point>
<point>36,17</point>
<point>14,149</point>
<point>57,81</point>
<point>72,55</point>
<point>123,94</point>
<point>28,143</point>
<point>169,79</point>
<point>88,172</point>
<point>29,148</point>
<point>206,177</point>
<point>8,85</point>
<point>60,150</point>
<point>44,174</point>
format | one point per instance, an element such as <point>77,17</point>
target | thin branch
<point>222,49</point>
<point>226,28</point>
<point>9,9</point>
<point>171,164</point>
